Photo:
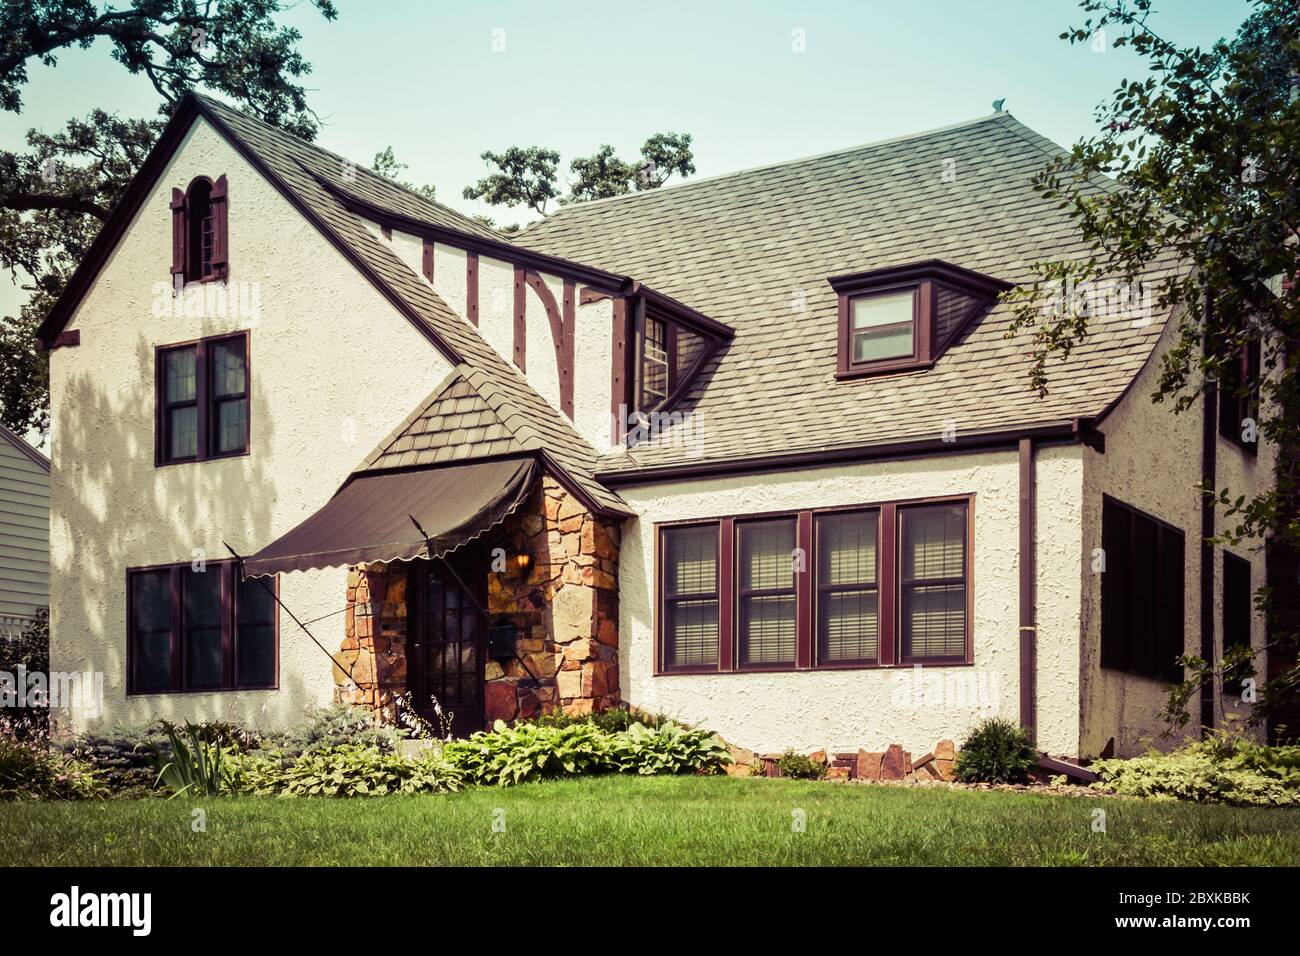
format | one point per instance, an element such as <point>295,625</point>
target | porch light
<point>523,561</point>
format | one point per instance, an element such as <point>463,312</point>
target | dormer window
<point>668,354</point>
<point>902,318</point>
<point>199,240</point>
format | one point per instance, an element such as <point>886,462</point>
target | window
<point>1239,398</point>
<point>848,600</point>
<point>933,582</point>
<point>690,602</point>
<point>1237,613</point>
<point>1141,593</point>
<point>903,318</point>
<point>884,326</point>
<point>870,586</point>
<point>202,400</point>
<point>667,355</point>
<point>199,235</point>
<point>194,630</point>
<point>767,592</point>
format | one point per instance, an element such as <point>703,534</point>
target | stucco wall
<point>592,361</point>
<point>333,368</point>
<point>867,708</point>
<point>1153,462</point>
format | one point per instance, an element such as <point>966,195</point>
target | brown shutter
<point>220,246</point>
<point>178,234</point>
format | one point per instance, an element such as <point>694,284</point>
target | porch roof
<point>397,516</point>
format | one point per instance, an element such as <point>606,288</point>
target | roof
<point>13,438</point>
<point>755,249</point>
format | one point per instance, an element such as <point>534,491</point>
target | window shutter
<point>178,234</point>
<point>220,246</point>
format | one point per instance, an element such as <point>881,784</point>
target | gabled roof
<point>12,437</point>
<point>298,170</point>
<point>755,249</point>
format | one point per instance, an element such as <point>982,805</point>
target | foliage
<point>996,751</point>
<point>800,767</point>
<point>386,165</point>
<point>510,755</point>
<point>347,771</point>
<point>122,758</point>
<point>30,649</point>
<point>30,770</point>
<point>55,195</point>
<point>333,726</point>
<point>609,720</point>
<point>537,751</point>
<point>669,748</point>
<point>194,764</point>
<point>528,176</point>
<point>1224,768</point>
<point>1195,167</point>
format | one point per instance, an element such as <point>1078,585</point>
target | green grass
<point>664,820</point>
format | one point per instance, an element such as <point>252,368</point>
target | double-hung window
<point>203,393</point>
<point>876,585</point>
<point>197,627</point>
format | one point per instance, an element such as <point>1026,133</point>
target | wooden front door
<point>447,640</point>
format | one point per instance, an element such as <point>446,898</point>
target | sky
<point>753,82</point>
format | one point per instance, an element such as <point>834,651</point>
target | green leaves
<point>1224,768</point>
<point>194,766</point>
<point>348,770</point>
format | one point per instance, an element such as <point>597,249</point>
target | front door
<point>446,640</point>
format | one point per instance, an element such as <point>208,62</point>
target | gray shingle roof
<point>532,421</point>
<point>754,250</point>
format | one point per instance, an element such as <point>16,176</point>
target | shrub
<point>347,771</point>
<point>29,770</point>
<point>800,767</point>
<point>30,649</point>
<point>669,749</point>
<point>531,751</point>
<point>1221,769</point>
<point>610,720</point>
<point>335,725</point>
<point>122,758</point>
<point>996,751</point>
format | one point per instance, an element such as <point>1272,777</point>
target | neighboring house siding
<point>1152,462</point>
<point>847,709</point>
<point>24,533</point>
<point>333,366</point>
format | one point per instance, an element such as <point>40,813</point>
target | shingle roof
<point>754,249</point>
<point>531,420</point>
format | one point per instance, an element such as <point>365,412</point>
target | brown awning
<point>370,518</point>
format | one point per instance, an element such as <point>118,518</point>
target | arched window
<point>199,231</point>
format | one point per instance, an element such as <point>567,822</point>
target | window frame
<point>738,593</point>
<point>664,598</point>
<point>1233,407</point>
<point>204,399</point>
<point>187,262</point>
<point>1232,565</point>
<point>807,589</point>
<point>176,636</point>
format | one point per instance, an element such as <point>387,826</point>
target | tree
<point>528,176</point>
<point>55,195</point>
<point>1202,157</point>
<point>386,165</point>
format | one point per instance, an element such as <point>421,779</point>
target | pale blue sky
<point>423,77</point>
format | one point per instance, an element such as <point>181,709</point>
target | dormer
<point>902,318</point>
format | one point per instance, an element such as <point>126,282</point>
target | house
<point>24,532</point>
<point>753,451</point>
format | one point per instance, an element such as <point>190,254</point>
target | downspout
<point>1028,572</point>
<point>1209,449</point>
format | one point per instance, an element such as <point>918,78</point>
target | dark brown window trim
<point>1234,407</point>
<point>229,613</point>
<point>887,583</point>
<point>922,278</point>
<point>186,268</point>
<point>203,399</point>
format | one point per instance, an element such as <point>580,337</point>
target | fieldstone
<point>499,701</point>
<point>532,524</point>
<point>818,756</point>
<point>945,750</point>
<point>492,671</point>
<point>867,766</point>
<point>895,764</point>
<point>578,708</point>
<point>569,683</point>
<point>837,773</point>
<point>571,506</point>
<point>580,650</point>
<point>945,769</point>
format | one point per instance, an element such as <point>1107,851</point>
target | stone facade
<point>564,606</point>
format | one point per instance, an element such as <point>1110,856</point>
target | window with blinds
<point>932,592</point>
<point>848,622</point>
<point>690,596</point>
<point>766,606</point>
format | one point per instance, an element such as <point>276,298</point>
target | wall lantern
<point>523,561</point>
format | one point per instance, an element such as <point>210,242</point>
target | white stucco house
<point>752,451</point>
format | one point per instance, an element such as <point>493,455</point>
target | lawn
<point>653,820</point>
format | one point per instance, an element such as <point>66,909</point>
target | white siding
<point>24,532</point>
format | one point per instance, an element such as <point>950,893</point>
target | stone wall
<point>374,643</point>
<point>564,606</point>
